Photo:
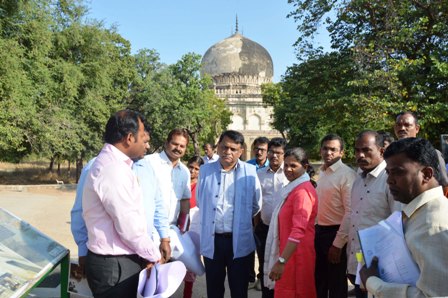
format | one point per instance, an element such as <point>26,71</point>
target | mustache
<point>177,151</point>
<point>361,160</point>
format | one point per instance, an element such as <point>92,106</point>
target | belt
<point>133,257</point>
<point>224,235</point>
<point>328,228</point>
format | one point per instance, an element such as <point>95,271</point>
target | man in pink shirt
<point>118,243</point>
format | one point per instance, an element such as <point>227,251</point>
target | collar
<point>422,199</point>
<point>165,159</point>
<point>269,170</point>
<point>334,167</point>
<point>231,170</point>
<point>376,171</point>
<point>119,154</point>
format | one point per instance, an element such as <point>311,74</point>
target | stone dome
<point>238,55</point>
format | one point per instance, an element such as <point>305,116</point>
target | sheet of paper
<point>386,241</point>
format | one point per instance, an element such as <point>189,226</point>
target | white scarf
<point>271,253</point>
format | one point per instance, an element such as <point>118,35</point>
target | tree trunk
<point>78,168</point>
<point>59,168</point>
<point>51,165</point>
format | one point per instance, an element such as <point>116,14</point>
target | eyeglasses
<point>276,153</point>
<point>260,149</point>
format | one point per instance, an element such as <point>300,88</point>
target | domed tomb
<point>238,55</point>
<point>238,67</point>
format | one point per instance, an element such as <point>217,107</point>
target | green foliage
<point>60,79</point>
<point>394,58</point>
<point>176,96</point>
<point>318,97</point>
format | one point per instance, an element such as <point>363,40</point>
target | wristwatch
<point>282,260</point>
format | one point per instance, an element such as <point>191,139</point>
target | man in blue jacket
<point>228,196</point>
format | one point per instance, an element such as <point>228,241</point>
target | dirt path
<point>46,209</point>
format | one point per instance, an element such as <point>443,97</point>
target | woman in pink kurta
<point>294,271</point>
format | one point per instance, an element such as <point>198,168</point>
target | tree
<point>61,77</point>
<point>400,46</point>
<point>176,96</point>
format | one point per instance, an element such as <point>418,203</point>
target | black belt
<point>328,228</point>
<point>224,235</point>
<point>133,257</point>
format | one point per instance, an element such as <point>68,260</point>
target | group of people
<point>304,231</point>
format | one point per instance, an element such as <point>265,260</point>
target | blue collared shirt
<point>77,224</point>
<point>156,214</point>
<point>253,161</point>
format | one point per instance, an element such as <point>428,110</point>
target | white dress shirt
<point>174,182</point>
<point>207,159</point>
<point>226,202</point>
<point>271,185</point>
<point>371,202</point>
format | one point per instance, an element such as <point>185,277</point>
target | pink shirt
<point>112,208</point>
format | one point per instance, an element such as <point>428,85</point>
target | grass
<point>28,173</point>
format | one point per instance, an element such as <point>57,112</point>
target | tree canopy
<point>176,96</point>
<point>62,75</point>
<point>390,56</point>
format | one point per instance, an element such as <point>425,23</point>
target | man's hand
<point>368,272</point>
<point>165,250</point>
<point>149,266</point>
<point>78,271</point>
<point>334,255</point>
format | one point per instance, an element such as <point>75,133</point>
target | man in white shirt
<point>210,155</point>
<point>412,166</point>
<point>272,180</point>
<point>371,200</point>
<point>173,177</point>
<point>333,191</point>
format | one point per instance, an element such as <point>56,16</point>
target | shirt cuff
<point>373,284</point>
<point>338,242</point>
<point>164,233</point>
<point>82,250</point>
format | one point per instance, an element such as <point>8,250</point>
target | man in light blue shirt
<point>156,214</point>
<point>260,151</point>
<point>228,196</point>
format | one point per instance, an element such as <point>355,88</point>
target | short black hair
<point>197,159</point>
<point>387,137</point>
<point>418,150</point>
<point>413,114</point>
<point>277,142</point>
<point>178,132</point>
<point>234,135</point>
<point>121,124</point>
<point>379,140</point>
<point>208,144</point>
<point>332,137</point>
<point>261,140</point>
